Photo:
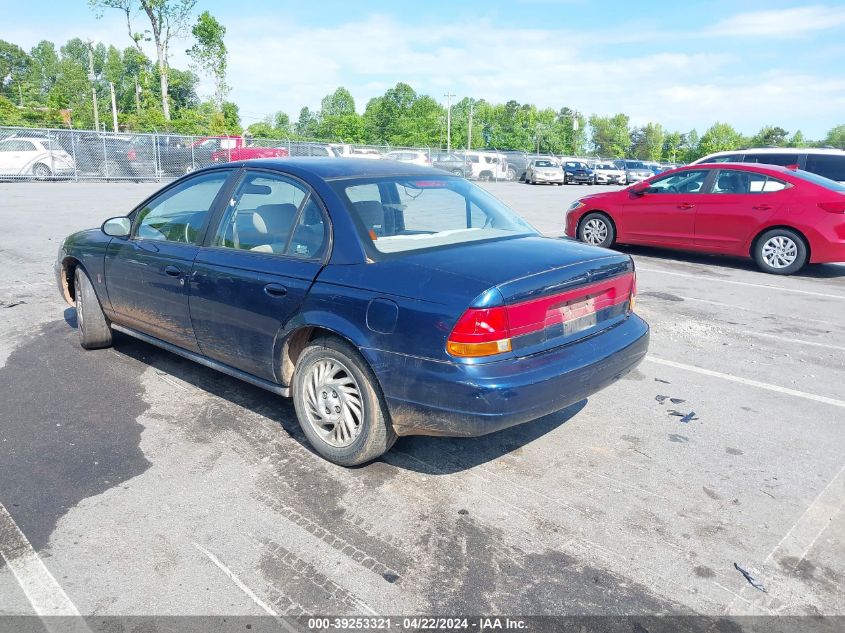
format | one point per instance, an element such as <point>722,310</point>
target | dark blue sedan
<point>386,299</point>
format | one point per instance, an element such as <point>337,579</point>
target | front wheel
<point>91,323</point>
<point>780,252</point>
<point>339,404</point>
<point>511,175</point>
<point>457,172</point>
<point>596,229</point>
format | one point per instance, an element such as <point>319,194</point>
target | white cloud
<point>793,22</point>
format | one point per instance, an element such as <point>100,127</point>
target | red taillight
<point>480,332</point>
<point>488,331</point>
<point>833,207</point>
<point>131,154</point>
<point>793,167</point>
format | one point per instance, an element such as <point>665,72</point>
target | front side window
<point>179,213</point>
<point>682,182</point>
<point>274,215</point>
<point>403,214</point>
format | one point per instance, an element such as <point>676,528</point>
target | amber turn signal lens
<point>473,350</point>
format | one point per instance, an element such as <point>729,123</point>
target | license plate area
<point>578,315</point>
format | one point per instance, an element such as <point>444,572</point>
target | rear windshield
<point>398,215</point>
<point>633,164</point>
<point>544,163</point>
<point>827,183</point>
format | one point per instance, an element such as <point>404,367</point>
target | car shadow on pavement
<point>815,271</point>
<point>430,455</point>
<point>448,455</point>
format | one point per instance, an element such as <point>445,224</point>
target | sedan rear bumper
<point>427,397</point>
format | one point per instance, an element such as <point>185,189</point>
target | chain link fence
<point>61,154</point>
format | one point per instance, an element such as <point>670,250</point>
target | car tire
<point>91,323</point>
<point>41,172</point>
<point>780,252</point>
<point>355,428</point>
<point>511,175</point>
<point>597,229</point>
<point>457,172</point>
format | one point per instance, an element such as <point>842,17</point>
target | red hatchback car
<point>782,218</point>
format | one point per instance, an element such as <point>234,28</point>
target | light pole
<point>91,78</point>
<point>449,96</point>
<point>469,127</point>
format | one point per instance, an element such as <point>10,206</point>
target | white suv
<point>829,163</point>
<point>487,165</point>
<point>409,156</point>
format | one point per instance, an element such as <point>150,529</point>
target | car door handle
<point>763,207</point>
<point>173,271</point>
<point>275,290</point>
<point>686,205</point>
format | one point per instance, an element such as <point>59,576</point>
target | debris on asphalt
<point>660,399</point>
<point>677,413</point>
<point>689,417</point>
<point>665,382</point>
<point>751,580</point>
<point>11,305</point>
<point>676,400</point>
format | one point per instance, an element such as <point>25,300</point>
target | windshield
<point>827,183</point>
<point>544,163</point>
<point>403,214</point>
<point>634,164</point>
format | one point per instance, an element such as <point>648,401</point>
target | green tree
<point>718,138</point>
<point>690,142</point>
<point>14,63</point>
<point>769,135</point>
<point>209,53</point>
<point>647,142</point>
<point>797,140</point>
<point>167,18</point>
<point>836,137</point>
<point>611,137</point>
<point>672,147</point>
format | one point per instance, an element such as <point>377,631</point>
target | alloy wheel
<point>595,232</point>
<point>780,251</point>
<point>333,402</point>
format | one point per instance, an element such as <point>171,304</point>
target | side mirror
<point>640,188</point>
<point>117,227</point>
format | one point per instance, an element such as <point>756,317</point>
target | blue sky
<point>685,64</point>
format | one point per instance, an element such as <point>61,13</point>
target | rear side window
<point>729,158</point>
<point>832,167</point>
<point>773,159</point>
<point>730,181</point>
<point>273,215</point>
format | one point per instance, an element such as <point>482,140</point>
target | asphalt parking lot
<point>147,484</point>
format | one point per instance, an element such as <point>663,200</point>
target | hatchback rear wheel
<point>339,404</point>
<point>780,252</point>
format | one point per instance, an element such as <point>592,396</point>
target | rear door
<point>665,214</point>
<point>739,204</point>
<point>828,165</point>
<point>147,273</point>
<point>258,264</point>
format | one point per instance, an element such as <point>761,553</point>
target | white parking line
<point>40,586</point>
<point>740,283</point>
<point>240,585</point>
<point>748,381</point>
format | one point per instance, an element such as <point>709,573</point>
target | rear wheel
<point>41,172</point>
<point>597,229</point>
<point>780,252</point>
<point>511,175</point>
<point>339,404</point>
<point>457,172</point>
<point>91,323</point>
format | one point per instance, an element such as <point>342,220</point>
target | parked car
<point>608,174</point>
<point>577,173</point>
<point>636,171</point>
<point>344,150</point>
<point>829,163</point>
<point>309,149</point>
<point>384,302</point>
<point>542,170</point>
<point>486,165</point>
<point>782,218</point>
<point>452,163</point>
<point>412,157</point>
<point>517,164</point>
<point>98,155</point>
<point>154,155</point>
<point>34,157</point>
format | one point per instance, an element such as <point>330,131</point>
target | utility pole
<point>469,127</point>
<point>113,107</point>
<point>91,78</point>
<point>449,96</point>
